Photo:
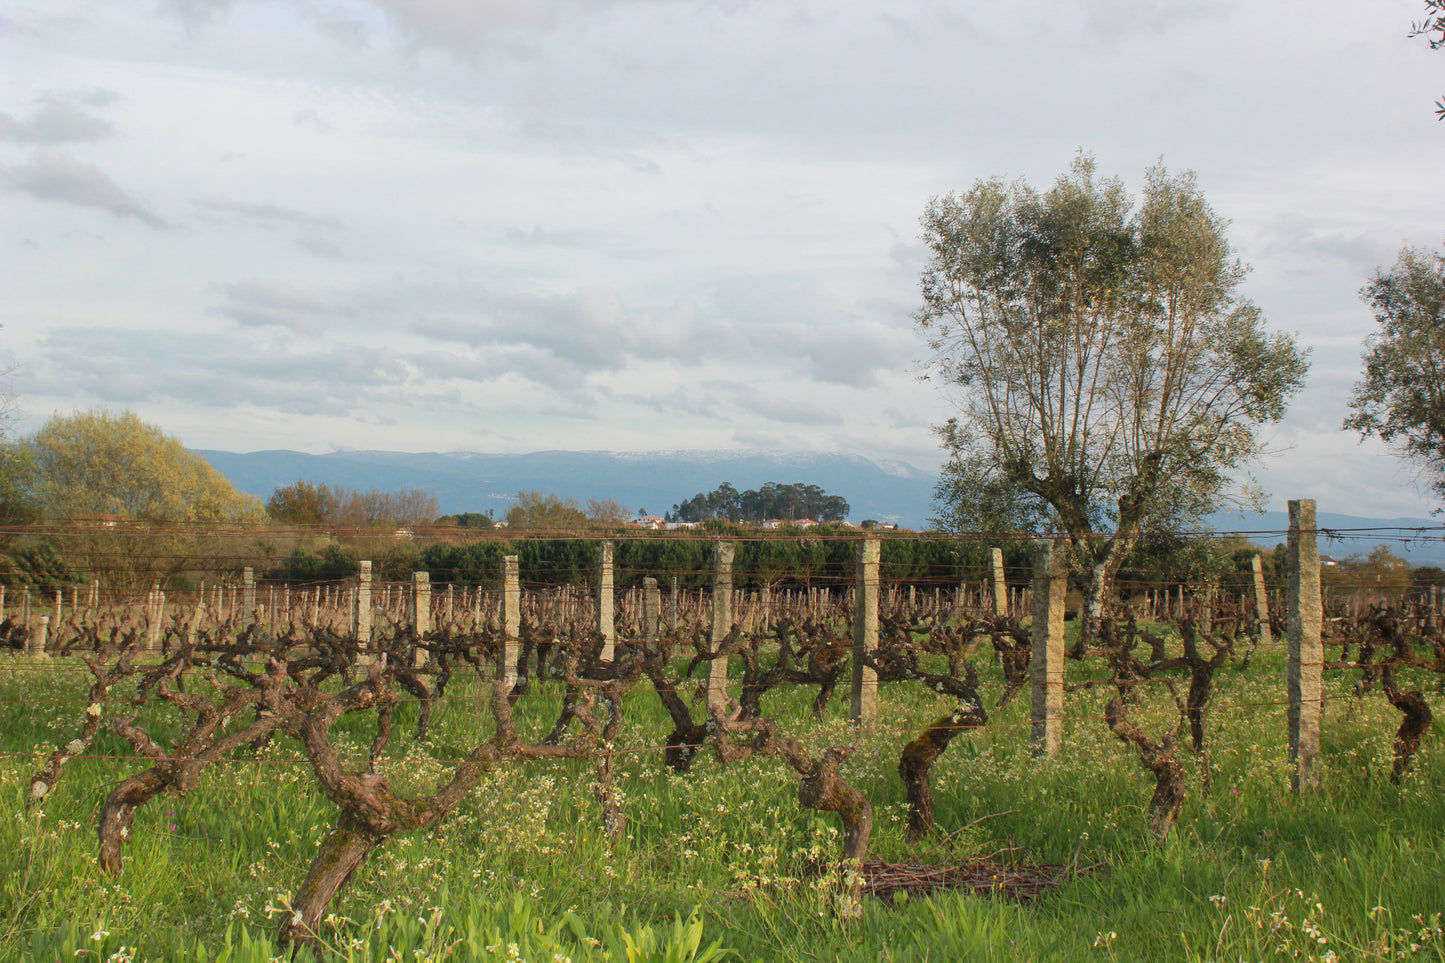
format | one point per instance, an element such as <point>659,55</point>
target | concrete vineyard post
<point>672,607</point>
<point>420,614</point>
<point>154,608</point>
<point>865,634</point>
<point>511,620</point>
<point>651,609</point>
<point>420,603</point>
<point>1051,585</point>
<point>606,602</point>
<point>361,618</point>
<point>1261,599</point>
<point>1306,651</point>
<point>42,637</point>
<point>722,620</point>
<point>248,596</point>
<point>1000,585</point>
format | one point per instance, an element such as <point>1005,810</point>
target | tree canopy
<point>304,503</point>
<point>125,484</point>
<point>94,465</point>
<point>535,511</point>
<point>1401,398</point>
<point>1108,375</point>
<point>772,500</point>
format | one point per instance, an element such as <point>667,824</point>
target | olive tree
<point>1401,398</point>
<point>1109,377</point>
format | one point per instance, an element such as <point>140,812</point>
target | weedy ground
<point>722,862</point>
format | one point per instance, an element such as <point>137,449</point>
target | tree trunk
<point>917,762</point>
<point>343,850</point>
<point>1412,727</point>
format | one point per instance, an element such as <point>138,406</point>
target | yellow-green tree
<point>97,465</point>
<point>141,508</point>
<point>534,511</point>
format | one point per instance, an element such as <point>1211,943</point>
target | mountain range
<point>655,481</point>
<point>651,481</point>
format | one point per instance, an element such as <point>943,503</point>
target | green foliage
<point>533,511</point>
<point>139,506</point>
<point>1425,576</point>
<point>302,503</point>
<point>16,504</point>
<point>787,503</point>
<point>335,563</point>
<point>39,566</point>
<point>95,465</point>
<point>1380,573</point>
<point>1108,373</point>
<point>1401,398</point>
<point>478,520</point>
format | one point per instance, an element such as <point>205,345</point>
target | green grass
<point>724,858</point>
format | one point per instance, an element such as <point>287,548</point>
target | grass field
<point>723,863</point>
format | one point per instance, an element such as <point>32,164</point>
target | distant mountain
<point>1420,541</point>
<point>656,480</point>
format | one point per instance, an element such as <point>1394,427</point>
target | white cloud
<point>57,176</point>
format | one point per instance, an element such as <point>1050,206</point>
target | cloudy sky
<point>514,225</point>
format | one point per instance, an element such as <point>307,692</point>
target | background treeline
<point>773,501</point>
<point>822,558</point>
<point>302,503</point>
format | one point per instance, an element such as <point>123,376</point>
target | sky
<point>521,225</point>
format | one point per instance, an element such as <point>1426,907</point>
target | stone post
<point>420,613</point>
<point>421,602</point>
<point>361,618</point>
<point>42,637</point>
<point>651,609</point>
<point>606,602</point>
<point>248,595</point>
<point>1261,599</point>
<point>59,608</point>
<point>511,620</point>
<point>672,606</point>
<point>155,609</point>
<point>722,619</point>
<point>1000,584</point>
<point>1306,651</point>
<point>865,633</point>
<point>1051,585</point>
